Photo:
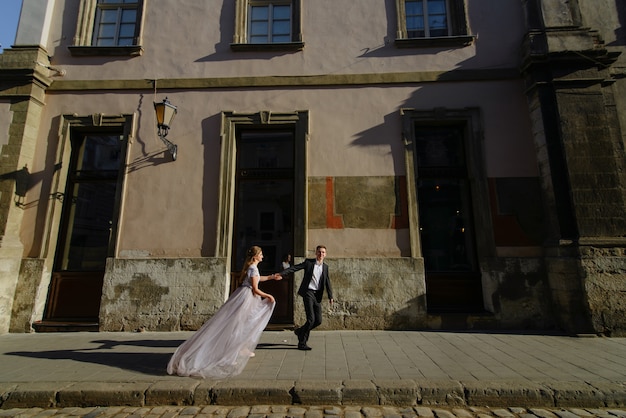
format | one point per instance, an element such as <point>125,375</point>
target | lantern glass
<point>165,112</point>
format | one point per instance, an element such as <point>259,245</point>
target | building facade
<point>463,162</point>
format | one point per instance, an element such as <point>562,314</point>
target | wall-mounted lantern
<point>165,112</point>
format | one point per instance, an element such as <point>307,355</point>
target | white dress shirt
<point>317,274</point>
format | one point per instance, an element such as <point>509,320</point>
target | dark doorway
<point>86,234</point>
<point>446,222</point>
<point>264,209</point>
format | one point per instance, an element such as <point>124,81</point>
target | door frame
<point>122,125</point>
<point>298,121</point>
<point>473,138</point>
<point>232,122</point>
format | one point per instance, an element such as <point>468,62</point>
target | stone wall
<point>28,283</point>
<point>161,294</point>
<point>372,293</point>
<point>605,284</point>
<point>516,290</point>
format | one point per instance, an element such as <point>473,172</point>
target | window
<point>426,18</point>
<point>270,23</point>
<point>431,23</point>
<point>116,23</point>
<point>108,27</point>
<point>263,25</point>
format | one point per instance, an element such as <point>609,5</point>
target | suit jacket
<point>307,265</point>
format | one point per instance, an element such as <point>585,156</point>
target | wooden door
<point>88,216</point>
<point>447,234</point>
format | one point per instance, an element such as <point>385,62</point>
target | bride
<point>223,345</point>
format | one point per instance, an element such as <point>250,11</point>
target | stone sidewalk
<point>404,368</point>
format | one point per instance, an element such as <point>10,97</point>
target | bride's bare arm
<point>274,276</point>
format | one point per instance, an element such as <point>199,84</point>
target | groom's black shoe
<point>303,347</point>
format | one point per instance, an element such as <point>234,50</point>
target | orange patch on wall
<point>401,218</point>
<point>332,221</point>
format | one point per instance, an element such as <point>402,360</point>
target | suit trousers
<point>313,311</point>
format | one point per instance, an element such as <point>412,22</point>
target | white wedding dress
<point>222,347</point>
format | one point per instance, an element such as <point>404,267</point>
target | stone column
<point>577,137</point>
<point>24,77</point>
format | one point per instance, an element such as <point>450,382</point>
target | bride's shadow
<point>143,362</point>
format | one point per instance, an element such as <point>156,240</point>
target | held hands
<point>275,276</point>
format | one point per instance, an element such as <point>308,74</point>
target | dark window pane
<point>282,12</point>
<point>91,226</point>
<point>415,23</point>
<point>129,16</point>
<point>258,28</point>
<point>101,153</point>
<point>281,38</point>
<point>127,31</point>
<point>281,28</point>
<point>436,7</point>
<point>259,13</point>
<point>439,147</point>
<point>446,237</point>
<point>266,150</point>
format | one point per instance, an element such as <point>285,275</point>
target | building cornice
<point>290,81</point>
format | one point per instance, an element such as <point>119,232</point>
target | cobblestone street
<point>282,411</point>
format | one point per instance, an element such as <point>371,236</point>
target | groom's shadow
<point>142,362</point>
<point>275,346</point>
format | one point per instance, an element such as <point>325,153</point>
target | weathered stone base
<point>373,293</point>
<point>575,288</point>
<point>162,294</point>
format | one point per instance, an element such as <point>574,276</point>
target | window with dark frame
<point>108,28</point>
<point>426,18</point>
<point>116,23</point>
<point>270,23</point>
<point>424,23</point>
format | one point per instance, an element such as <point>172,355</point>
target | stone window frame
<point>240,38</point>
<point>474,138</point>
<point>458,27</point>
<point>82,42</point>
<point>231,123</point>
<point>70,124</point>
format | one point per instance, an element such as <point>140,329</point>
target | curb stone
<point>359,392</point>
<point>34,394</point>
<point>171,392</point>
<point>441,392</point>
<point>313,392</point>
<point>398,392</point>
<point>318,392</point>
<point>575,394</point>
<point>103,394</point>
<point>505,393</point>
<point>249,392</point>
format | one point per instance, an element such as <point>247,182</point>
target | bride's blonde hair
<point>250,254</point>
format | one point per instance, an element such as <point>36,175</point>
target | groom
<point>312,289</point>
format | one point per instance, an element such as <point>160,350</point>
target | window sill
<point>446,41</point>
<point>282,46</point>
<point>106,51</point>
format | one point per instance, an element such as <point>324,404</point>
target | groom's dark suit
<point>312,298</point>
